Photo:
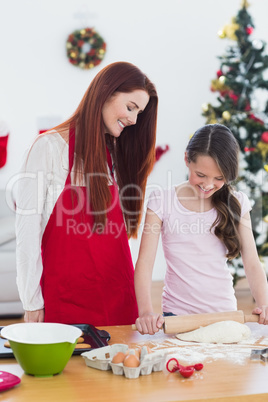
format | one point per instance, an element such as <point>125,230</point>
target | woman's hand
<point>263,314</point>
<point>149,323</point>
<point>34,316</point>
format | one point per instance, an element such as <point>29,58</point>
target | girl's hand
<point>149,323</point>
<point>263,314</point>
<point>34,316</point>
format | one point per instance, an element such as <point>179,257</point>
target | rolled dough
<point>219,332</point>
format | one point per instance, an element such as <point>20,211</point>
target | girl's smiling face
<point>205,175</point>
<point>122,110</point>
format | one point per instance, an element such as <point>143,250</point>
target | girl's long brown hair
<point>217,141</point>
<point>133,152</point>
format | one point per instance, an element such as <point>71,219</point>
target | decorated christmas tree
<point>242,105</point>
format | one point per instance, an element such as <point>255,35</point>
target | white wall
<point>175,42</point>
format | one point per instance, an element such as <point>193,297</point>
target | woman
<point>73,222</point>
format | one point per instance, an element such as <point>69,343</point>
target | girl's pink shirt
<point>197,277</point>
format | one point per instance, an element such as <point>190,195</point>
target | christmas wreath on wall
<point>85,48</point>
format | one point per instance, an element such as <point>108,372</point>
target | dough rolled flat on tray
<point>219,332</point>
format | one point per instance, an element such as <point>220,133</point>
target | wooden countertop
<point>220,380</point>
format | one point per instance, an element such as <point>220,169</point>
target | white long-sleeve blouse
<point>41,181</point>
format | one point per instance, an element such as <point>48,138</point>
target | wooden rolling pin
<point>186,323</point>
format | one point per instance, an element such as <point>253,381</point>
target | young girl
<point>73,258</point>
<point>203,222</point>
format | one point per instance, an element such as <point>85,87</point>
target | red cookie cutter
<point>185,371</point>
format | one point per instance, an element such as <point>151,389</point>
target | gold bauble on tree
<point>205,107</point>
<point>226,115</point>
<point>219,84</point>
<point>222,34</point>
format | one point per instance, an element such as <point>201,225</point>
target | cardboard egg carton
<point>101,359</point>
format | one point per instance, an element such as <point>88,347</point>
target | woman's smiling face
<point>122,109</point>
<point>205,175</point>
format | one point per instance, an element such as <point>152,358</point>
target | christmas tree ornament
<point>219,73</point>
<point>258,44</point>
<point>264,137</point>
<point>226,115</point>
<point>219,85</point>
<point>222,34</point>
<point>85,48</point>
<point>249,30</point>
<point>205,107</point>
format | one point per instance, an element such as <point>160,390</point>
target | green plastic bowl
<point>42,349</point>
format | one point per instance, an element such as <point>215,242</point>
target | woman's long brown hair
<point>133,152</point>
<point>217,141</point>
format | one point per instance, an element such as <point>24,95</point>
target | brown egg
<point>131,361</point>
<point>118,358</point>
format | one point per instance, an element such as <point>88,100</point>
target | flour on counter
<point>264,341</point>
<point>188,353</point>
<point>210,353</point>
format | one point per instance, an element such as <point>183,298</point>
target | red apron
<point>87,277</point>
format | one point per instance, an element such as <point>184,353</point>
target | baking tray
<point>96,338</point>
<point>93,336</point>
